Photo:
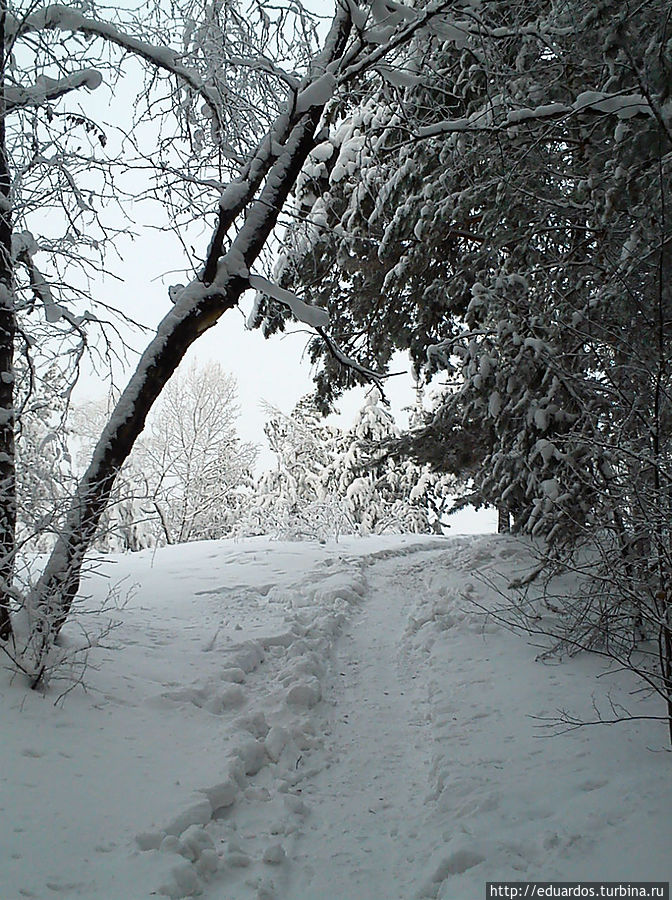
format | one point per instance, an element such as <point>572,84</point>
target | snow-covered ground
<point>303,721</point>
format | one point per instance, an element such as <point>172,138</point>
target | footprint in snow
<point>592,784</point>
<point>460,855</point>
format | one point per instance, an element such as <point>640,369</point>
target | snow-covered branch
<point>266,65</point>
<point>386,38</point>
<point>349,362</point>
<point>302,312</point>
<point>46,89</point>
<point>623,106</point>
<point>64,18</point>
<point>273,147</point>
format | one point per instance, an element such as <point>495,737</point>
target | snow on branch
<point>317,93</point>
<point>263,64</point>
<point>46,89</point>
<point>385,39</point>
<point>63,18</point>
<point>624,106</point>
<point>24,248</point>
<point>351,363</point>
<point>279,142</point>
<point>314,316</point>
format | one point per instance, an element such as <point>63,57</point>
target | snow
<point>322,152</point>
<point>398,77</point>
<point>624,105</point>
<point>24,242</point>
<point>64,18</point>
<point>494,404</point>
<point>317,93</point>
<point>304,720</point>
<point>233,194</point>
<point>231,264</point>
<point>447,30</point>
<point>379,35</point>
<point>515,116</point>
<point>302,312</point>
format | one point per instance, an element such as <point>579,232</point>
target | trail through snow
<point>438,775</point>
<point>367,826</point>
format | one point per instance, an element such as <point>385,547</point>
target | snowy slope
<point>305,721</point>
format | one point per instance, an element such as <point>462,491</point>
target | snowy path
<point>367,802</point>
<point>322,722</point>
<point>436,779</point>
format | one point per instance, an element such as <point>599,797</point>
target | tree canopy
<point>500,212</point>
<point>235,101</point>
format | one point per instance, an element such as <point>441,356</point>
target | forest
<point>484,185</point>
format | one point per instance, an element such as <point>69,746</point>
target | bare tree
<point>188,475</point>
<point>195,466</point>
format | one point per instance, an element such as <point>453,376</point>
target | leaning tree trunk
<point>279,157</point>
<point>7,336</point>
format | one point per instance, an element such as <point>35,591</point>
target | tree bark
<point>503,519</point>
<point>199,307</point>
<point>7,337</point>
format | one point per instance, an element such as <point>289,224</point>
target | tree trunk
<point>7,337</point>
<point>503,519</point>
<point>666,659</point>
<point>200,306</point>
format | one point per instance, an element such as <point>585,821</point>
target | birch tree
<point>196,469</point>
<point>189,477</point>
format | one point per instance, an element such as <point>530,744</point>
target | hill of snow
<point>301,721</point>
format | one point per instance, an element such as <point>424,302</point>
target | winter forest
<point>479,187</point>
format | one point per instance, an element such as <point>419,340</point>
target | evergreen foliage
<point>329,481</point>
<point>522,247</point>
